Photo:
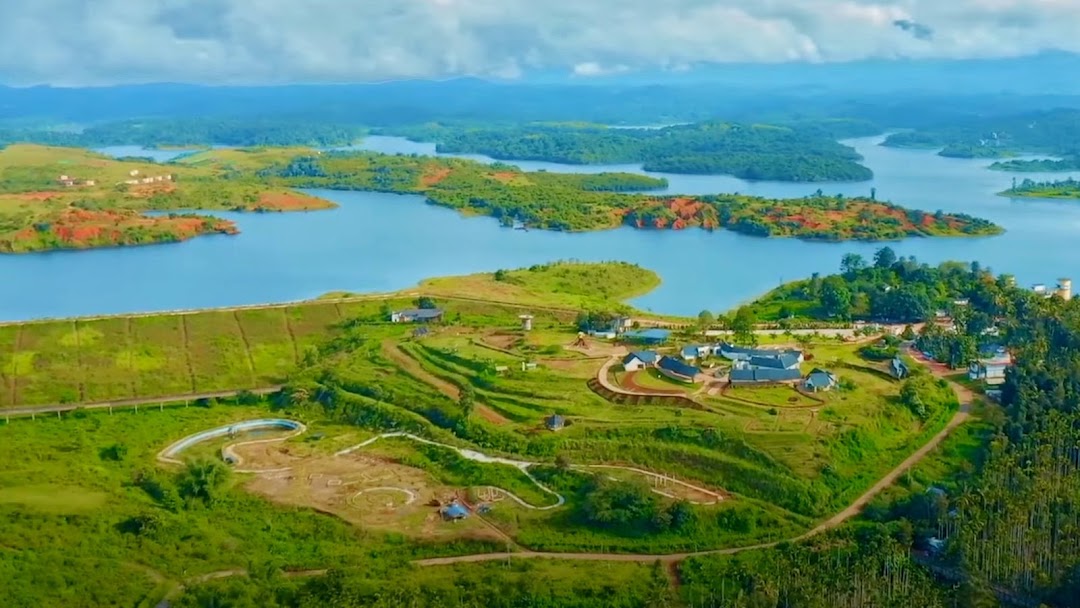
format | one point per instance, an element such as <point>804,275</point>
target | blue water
<point>159,156</point>
<point>381,242</point>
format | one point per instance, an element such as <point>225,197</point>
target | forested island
<point>1054,132</point>
<point>802,152</point>
<point>1067,188</point>
<point>70,198</point>
<point>1038,166</point>
<point>590,202</point>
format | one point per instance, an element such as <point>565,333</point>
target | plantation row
<point>76,361</point>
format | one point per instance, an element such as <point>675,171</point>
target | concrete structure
<point>526,322</point>
<point>991,365</point>
<point>1065,288</point>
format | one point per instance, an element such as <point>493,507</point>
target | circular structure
<point>382,497</point>
<point>170,453</point>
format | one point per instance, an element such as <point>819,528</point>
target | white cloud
<point>244,41</point>
<point>591,68</point>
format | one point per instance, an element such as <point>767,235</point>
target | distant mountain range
<point>915,91</point>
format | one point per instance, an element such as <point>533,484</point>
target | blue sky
<point>79,42</point>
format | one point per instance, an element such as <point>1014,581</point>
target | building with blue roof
<point>695,351</point>
<point>555,422</point>
<point>742,353</point>
<point>647,336</point>
<point>455,511</point>
<point>678,370</point>
<point>775,361</point>
<point>639,360</point>
<point>820,380</point>
<point>749,375</point>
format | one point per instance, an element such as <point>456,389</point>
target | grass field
<point>146,356</point>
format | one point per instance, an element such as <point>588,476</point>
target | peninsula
<point>1067,188</point>
<point>69,198</point>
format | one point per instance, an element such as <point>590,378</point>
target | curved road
<point>849,512</point>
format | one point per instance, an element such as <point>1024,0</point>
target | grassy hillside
<point>146,356</point>
<point>558,284</point>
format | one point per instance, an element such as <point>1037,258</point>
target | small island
<point>1067,188</point>
<point>1051,132</point>
<point>1042,165</point>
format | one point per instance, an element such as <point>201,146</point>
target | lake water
<point>382,242</point>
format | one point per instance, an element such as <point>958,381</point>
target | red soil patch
<point>504,176</point>
<point>490,415</point>
<point>81,228</point>
<point>290,201</point>
<point>434,176</point>
<point>148,190</point>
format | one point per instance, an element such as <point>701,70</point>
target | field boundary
<point>22,412</point>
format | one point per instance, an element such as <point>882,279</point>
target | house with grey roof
<point>820,380</point>
<point>748,375</point>
<point>775,361</point>
<point>417,315</point>
<point>742,353</point>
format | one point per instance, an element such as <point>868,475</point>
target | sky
<point>96,42</point>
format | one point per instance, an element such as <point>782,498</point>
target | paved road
<point>129,403</point>
<point>851,511</point>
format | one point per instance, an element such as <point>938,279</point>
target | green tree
<point>852,263</point>
<point>836,298</point>
<point>705,319</point>
<point>201,480</point>
<point>742,325</point>
<point>425,302</point>
<point>884,258</point>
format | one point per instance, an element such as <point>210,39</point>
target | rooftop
<point>648,334</point>
<point>675,366</point>
<point>645,356</point>
<point>420,313</point>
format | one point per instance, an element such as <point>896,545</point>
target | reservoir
<point>383,242</point>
